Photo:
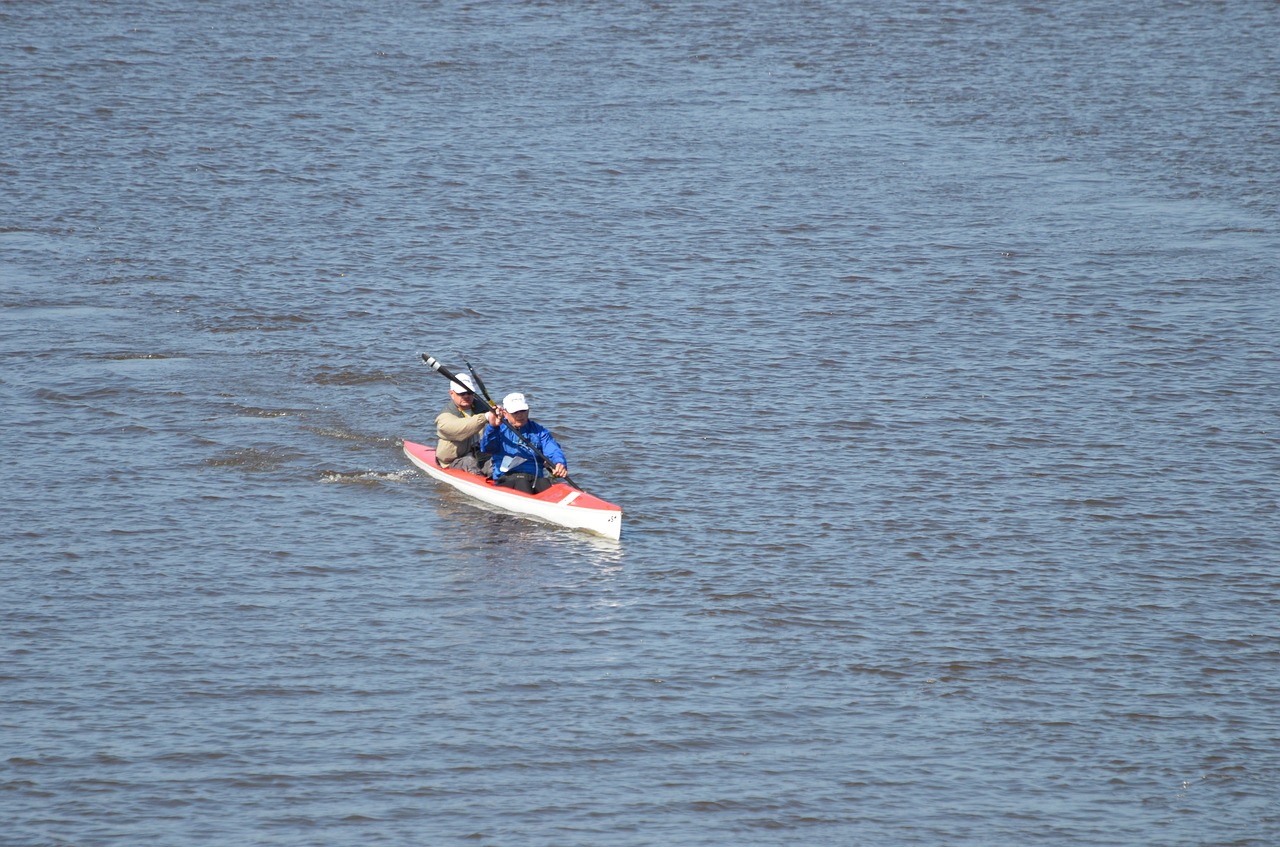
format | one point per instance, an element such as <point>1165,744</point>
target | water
<point>930,352</point>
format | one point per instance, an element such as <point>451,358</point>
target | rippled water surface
<point>930,350</point>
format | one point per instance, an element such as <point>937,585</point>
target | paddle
<point>485,404</point>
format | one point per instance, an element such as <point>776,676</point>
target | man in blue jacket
<point>514,464</point>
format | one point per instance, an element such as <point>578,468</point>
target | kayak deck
<point>561,504</point>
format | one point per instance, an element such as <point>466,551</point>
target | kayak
<point>560,504</point>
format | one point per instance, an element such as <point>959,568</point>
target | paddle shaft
<point>486,405</point>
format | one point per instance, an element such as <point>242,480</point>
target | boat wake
<point>366,477</point>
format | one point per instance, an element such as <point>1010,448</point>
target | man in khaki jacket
<point>458,429</point>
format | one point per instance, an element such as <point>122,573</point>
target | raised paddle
<point>486,405</point>
<point>479,382</point>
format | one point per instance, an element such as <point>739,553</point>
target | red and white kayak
<point>560,504</point>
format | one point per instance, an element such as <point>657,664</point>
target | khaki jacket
<point>458,433</point>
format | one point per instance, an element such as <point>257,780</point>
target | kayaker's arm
<point>551,450</point>
<point>548,450</point>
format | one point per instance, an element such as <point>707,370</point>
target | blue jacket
<point>510,456</point>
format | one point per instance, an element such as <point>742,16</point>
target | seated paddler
<point>458,430</point>
<point>515,445</point>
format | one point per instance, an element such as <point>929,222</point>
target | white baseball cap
<point>466,384</point>
<point>515,402</point>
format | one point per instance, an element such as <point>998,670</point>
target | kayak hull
<point>561,504</point>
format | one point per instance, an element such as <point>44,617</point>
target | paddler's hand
<point>560,470</point>
<point>494,416</point>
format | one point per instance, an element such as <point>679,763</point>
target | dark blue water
<point>930,351</point>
